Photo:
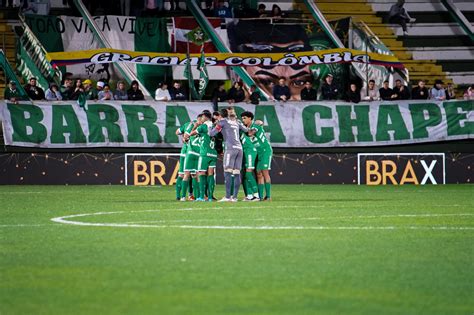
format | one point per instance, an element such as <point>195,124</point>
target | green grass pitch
<point>312,250</point>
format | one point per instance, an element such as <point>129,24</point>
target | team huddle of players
<point>246,149</point>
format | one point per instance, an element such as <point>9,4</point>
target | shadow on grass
<point>275,200</point>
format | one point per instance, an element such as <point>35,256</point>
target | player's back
<point>246,141</point>
<point>230,132</point>
<point>194,145</point>
<point>207,142</point>
<point>260,140</point>
<point>182,129</point>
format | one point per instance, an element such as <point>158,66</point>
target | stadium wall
<point>316,168</point>
<point>314,143</point>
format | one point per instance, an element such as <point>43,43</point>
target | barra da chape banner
<point>293,125</point>
<point>330,56</point>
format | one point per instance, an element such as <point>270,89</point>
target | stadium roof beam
<point>459,17</point>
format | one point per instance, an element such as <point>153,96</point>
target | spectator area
<point>435,35</point>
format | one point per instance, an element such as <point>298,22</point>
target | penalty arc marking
<point>73,220</point>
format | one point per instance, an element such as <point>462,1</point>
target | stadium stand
<point>436,46</point>
<point>363,11</point>
<point>435,36</point>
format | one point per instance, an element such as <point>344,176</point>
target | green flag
<point>82,101</point>
<point>197,36</point>
<point>188,74</point>
<point>203,76</point>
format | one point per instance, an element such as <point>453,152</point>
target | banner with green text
<point>291,125</point>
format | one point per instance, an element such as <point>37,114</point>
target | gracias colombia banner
<point>330,56</point>
<point>288,125</point>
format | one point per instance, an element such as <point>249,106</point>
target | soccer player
<point>191,160</point>
<point>207,158</point>
<point>264,161</point>
<point>182,156</point>
<point>229,126</point>
<point>250,155</point>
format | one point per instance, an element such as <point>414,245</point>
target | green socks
<point>260,191</point>
<point>268,188</point>
<point>211,183</point>
<point>184,188</point>
<point>244,184</point>
<point>197,193</point>
<point>202,185</point>
<point>251,183</point>
<point>179,182</point>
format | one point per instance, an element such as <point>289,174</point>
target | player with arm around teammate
<point>208,156</point>
<point>182,156</point>
<point>191,161</point>
<point>250,156</point>
<point>264,160</point>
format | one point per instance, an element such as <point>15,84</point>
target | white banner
<point>289,125</point>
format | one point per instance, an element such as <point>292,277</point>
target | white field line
<point>22,192</point>
<point>321,227</point>
<point>23,225</point>
<point>250,206</point>
<point>63,192</point>
<point>312,218</point>
<point>65,220</point>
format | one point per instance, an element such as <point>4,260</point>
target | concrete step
<point>344,7</point>
<point>381,30</point>
<point>423,61</point>
<point>427,75</point>
<point>347,12</point>
<point>453,53</point>
<point>386,36</point>
<point>400,48</point>
<point>8,40</point>
<point>7,46</point>
<point>8,37</point>
<point>423,68</point>
<point>429,81</point>
<point>9,49</point>
<point>355,16</point>
<point>401,55</point>
<point>465,78</point>
<point>392,42</point>
<point>11,58</point>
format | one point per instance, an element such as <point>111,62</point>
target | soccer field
<point>312,250</point>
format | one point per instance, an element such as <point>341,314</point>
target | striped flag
<point>187,30</point>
